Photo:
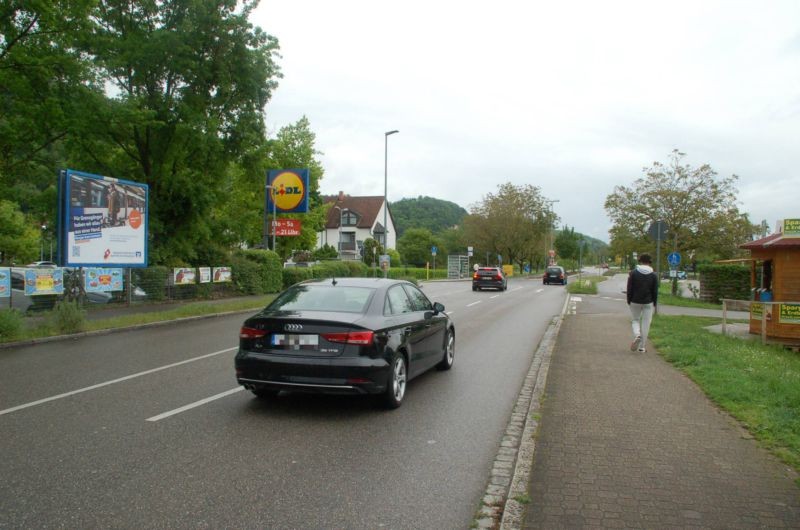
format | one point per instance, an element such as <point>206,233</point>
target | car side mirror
<point>438,308</point>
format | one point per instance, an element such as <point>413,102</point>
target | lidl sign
<point>288,191</point>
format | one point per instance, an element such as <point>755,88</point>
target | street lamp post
<point>385,192</point>
<point>549,233</point>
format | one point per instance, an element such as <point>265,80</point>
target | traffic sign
<point>674,259</point>
<point>658,230</point>
<point>434,250</point>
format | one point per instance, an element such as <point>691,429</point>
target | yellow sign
<point>508,270</point>
<point>288,190</point>
<point>790,314</point>
<point>791,227</point>
<point>756,311</point>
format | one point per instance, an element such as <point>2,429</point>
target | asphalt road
<point>148,429</point>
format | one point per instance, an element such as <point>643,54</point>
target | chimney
<point>341,196</point>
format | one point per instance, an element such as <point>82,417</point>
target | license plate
<point>294,340</point>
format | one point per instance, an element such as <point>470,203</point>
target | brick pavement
<point>627,441</point>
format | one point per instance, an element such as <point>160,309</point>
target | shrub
<point>270,268</point>
<point>68,317</point>
<point>246,275</point>
<point>153,280</point>
<point>10,324</point>
<point>724,281</point>
<point>293,275</point>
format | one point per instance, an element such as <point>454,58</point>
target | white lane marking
<point>474,303</point>
<point>495,296</point>
<point>121,379</point>
<point>539,290</point>
<point>196,404</point>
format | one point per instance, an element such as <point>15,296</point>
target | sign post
<point>658,231</point>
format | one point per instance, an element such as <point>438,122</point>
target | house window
<point>349,218</point>
<point>348,241</point>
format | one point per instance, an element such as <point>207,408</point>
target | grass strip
<point>586,285</point>
<point>757,384</point>
<point>666,297</point>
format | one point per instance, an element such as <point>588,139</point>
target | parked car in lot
<point>344,336</point>
<point>554,274</point>
<point>489,278</point>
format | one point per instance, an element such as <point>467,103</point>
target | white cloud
<point>575,98</point>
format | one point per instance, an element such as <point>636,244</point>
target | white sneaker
<point>642,350</point>
<point>635,343</point>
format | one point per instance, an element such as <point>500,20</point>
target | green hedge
<point>153,280</point>
<point>724,281</point>
<point>257,271</point>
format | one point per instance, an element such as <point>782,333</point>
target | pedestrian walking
<point>642,299</point>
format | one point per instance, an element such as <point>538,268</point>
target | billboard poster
<point>205,274</point>
<point>5,282</point>
<point>44,281</point>
<point>222,274</point>
<point>183,276</point>
<point>288,192</point>
<point>103,221</point>
<point>98,280</point>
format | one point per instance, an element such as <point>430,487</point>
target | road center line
<point>196,404</point>
<point>474,303</point>
<point>113,381</point>
<point>539,290</point>
<point>495,296</point>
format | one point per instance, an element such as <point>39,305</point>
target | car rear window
<point>323,298</point>
<point>555,270</point>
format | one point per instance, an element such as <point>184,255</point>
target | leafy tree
<point>243,212</point>
<point>415,246</point>
<point>698,207</point>
<point>19,240</point>
<point>566,243</point>
<point>326,252</point>
<point>511,223</point>
<point>44,83</point>
<point>426,212</point>
<point>190,81</point>
<point>372,249</point>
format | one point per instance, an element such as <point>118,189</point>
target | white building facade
<point>353,220</point>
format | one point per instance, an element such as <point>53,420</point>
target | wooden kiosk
<point>775,279</point>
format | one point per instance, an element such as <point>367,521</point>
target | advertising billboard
<point>286,227</point>
<point>102,221</point>
<point>288,192</point>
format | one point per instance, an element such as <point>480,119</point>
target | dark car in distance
<point>554,274</point>
<point>344,336</point>
<point>489,278</point>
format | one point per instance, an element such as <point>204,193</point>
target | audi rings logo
<point>293,327</point>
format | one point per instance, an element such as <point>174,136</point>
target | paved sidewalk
<point>627,441</point>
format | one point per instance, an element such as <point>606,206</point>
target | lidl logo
<point>289,190</point>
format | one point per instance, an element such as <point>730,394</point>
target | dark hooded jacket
<point>642,285</point>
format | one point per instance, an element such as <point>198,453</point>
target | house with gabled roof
<point>352,220</point>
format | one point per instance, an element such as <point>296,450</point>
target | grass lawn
<point>586,285</point>
<point>759,385</point>
<point>666,297</point>
<point>44,325</point>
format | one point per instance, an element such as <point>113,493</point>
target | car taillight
<point>475,276</point>
<point>498,277</point>
<point>352,337</point>
<point>251,333</point>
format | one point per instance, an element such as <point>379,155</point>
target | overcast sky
<point>572,97</point>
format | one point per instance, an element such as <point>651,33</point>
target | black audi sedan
<point>344,336</point>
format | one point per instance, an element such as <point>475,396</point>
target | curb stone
<point>500,506</point>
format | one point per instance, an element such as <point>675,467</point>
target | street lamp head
<point>391,132</point>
